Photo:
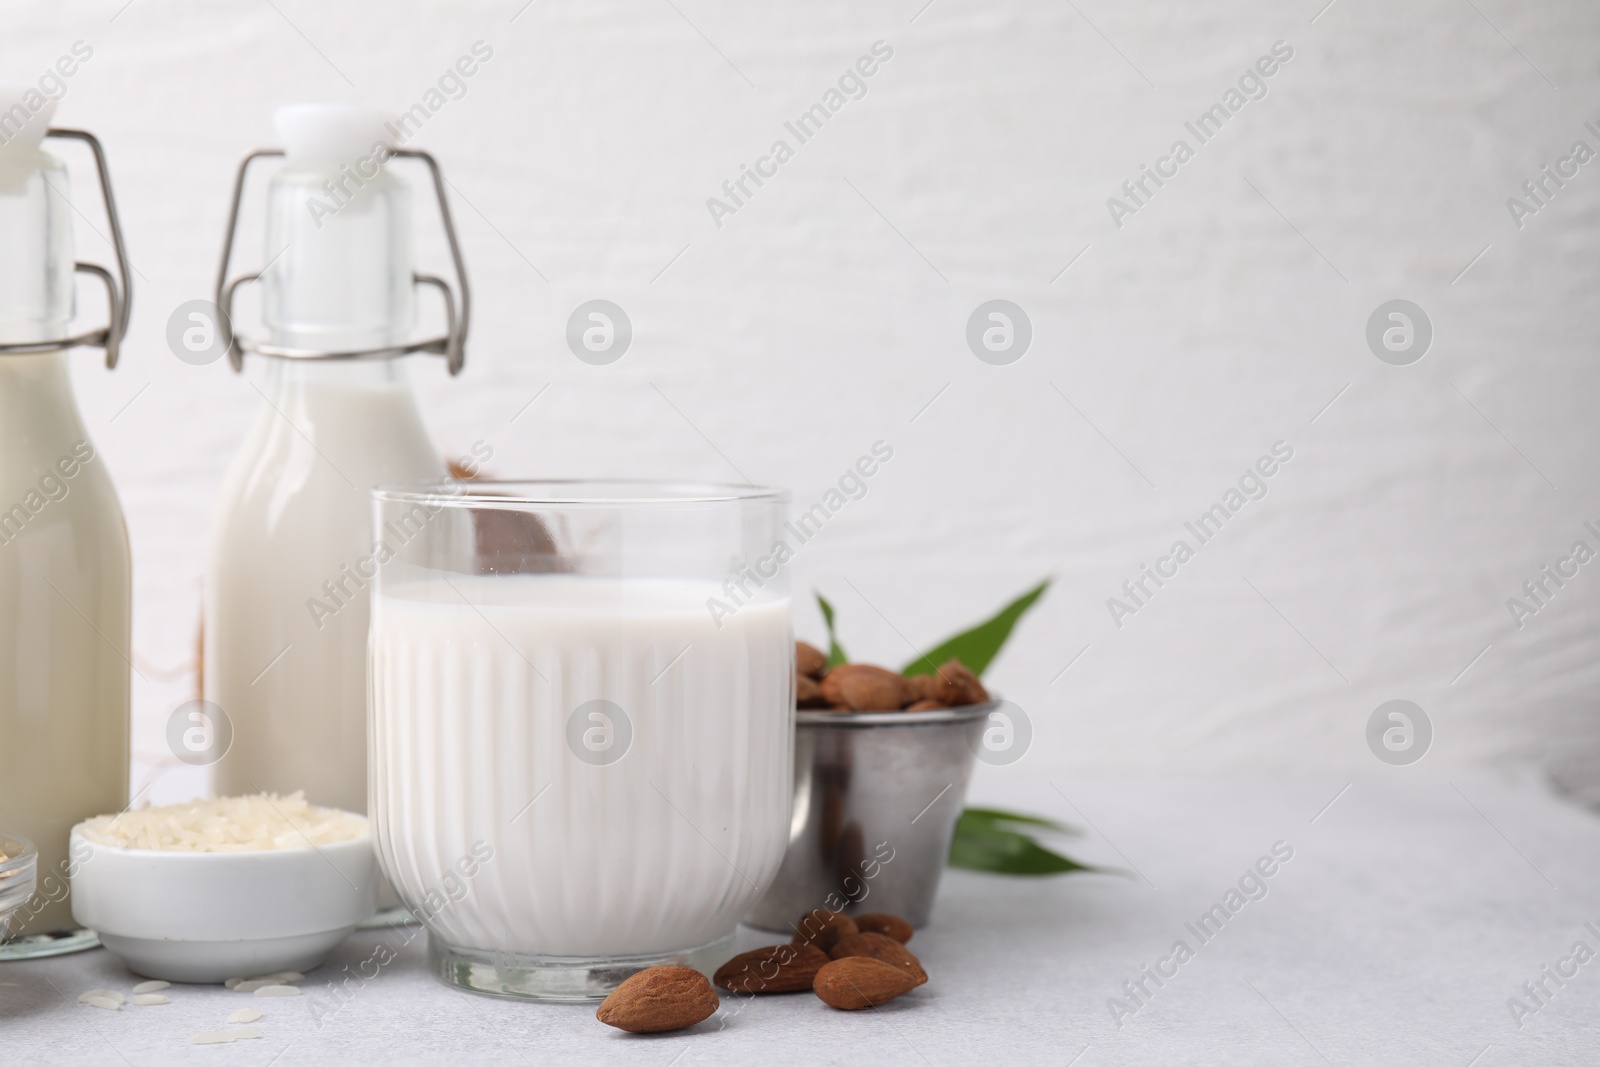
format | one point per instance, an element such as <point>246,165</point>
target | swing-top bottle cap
<point>25,115</point>
<point>339,282</point>
<point>330,132</point>
<point>36,261</point>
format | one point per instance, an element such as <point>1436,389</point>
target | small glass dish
<point>19,862</point>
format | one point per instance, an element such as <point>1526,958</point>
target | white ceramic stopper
<point>329,132</point>
<point>20,124</point>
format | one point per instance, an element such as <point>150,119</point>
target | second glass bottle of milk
<point>288,583</point>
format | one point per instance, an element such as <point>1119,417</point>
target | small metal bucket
<point>876,798</point>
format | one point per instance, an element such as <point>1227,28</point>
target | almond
<point>887,925</point>
<point>658,999</point>
<point>879,947</point>
<point>808,694</point>
<point>809,661</point>
<point>944,687</point>
<point>955,685</point>
<point>822,928</point>
<point>863,687</point>
<point>857,982</point>
<point>922,687</point>
<point>925,705</point>
<point>774,969</point>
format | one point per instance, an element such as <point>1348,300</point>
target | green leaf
<point>983,843</point>
<point>994,816</point>
<point>836,654</point>
<point>1011,854</point>
<point>977,647</point>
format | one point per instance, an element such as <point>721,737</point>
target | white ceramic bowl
<point>210,916</point>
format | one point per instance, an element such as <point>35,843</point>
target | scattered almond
<point>775,969</point>
<point>809,661</point>
<point>888,925</point>
<point>863,687</point>
<point>879,947</point>
<point>658,999</point>
<point>822,928</point>
<point>857,982</point>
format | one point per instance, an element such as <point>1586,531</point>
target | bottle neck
<point>36,391</point>
<point>360,417</point>
<point>285,377</point>
<point>340,277</point>
<point>36,292</point>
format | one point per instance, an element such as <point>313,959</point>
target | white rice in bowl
<point>227,824</point>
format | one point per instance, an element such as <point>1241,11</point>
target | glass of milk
<point>581,723</point>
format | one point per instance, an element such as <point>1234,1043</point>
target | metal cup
<point>876,799</point>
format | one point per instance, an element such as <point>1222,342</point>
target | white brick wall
<point>830,310</point>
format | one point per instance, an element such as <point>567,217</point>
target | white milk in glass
<point>613,833</point>
<point>65,575</point>
<point>288,584</point>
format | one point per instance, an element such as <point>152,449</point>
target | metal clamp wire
<point>119,297</point>
<point>457,315</point>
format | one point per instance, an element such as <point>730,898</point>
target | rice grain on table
<point>245,1015</point>
<point>224,1037</point>
<point>105,1002</point>
<point>109,994</point>
<point>151,986</point>
<point>278,991</point>
<point>257,981</point>
<point>145,1000</point>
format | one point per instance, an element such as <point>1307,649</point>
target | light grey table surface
<point>1414,908</point>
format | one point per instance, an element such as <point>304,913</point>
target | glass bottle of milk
<point>65,575</point>
<point>292,558</point>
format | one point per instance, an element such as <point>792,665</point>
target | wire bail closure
<point>457,314</point>
<point>119,297</point>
